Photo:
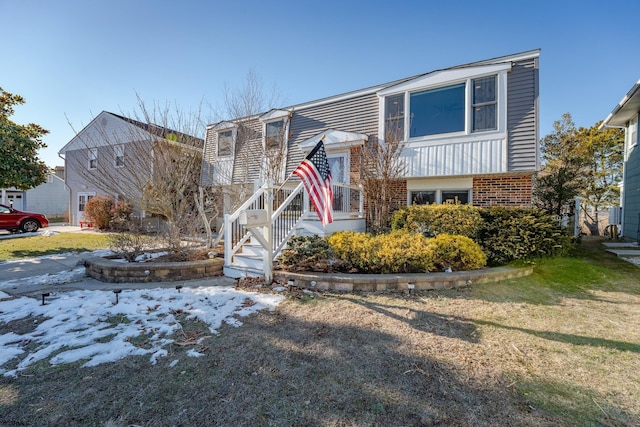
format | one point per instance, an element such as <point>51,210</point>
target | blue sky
<point>71,59</point>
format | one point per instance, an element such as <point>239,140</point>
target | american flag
<point>316,176</point>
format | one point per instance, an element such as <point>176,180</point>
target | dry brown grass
<point>521,353</point>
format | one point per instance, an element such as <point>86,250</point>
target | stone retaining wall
<point>342,282</point>
<point>107,270</point>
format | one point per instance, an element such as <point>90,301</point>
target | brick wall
<point>502,191</point>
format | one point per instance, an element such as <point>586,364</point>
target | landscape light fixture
<point>44,295</point>
<point>117,291</point>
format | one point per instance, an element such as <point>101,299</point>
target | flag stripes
<point>316,176</point>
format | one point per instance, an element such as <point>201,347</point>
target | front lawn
<point>558,348</point>
<point>28,247</point>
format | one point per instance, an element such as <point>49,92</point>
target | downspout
<point>68,188</point>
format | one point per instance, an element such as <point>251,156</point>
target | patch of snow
<point>279,289</point>
<point>90,326</point>
<point>632,259</point>
<point>194,353</point>
<point>174,363</point>
<point>3,295</point>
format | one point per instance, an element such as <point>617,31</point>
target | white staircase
<point>287,215</point>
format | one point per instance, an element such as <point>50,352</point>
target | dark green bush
<point>308,253</point>
<point>432,220</point>
<point>509,234</point>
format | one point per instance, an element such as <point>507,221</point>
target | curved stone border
<point>343,282</point>
<point>107,270</point>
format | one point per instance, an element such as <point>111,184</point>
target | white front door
<point>339,165</point>
<point>83,198</point>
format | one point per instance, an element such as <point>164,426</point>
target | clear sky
<point>71,59</point>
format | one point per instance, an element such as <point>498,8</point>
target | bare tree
<point>254,155</point>
<point>154,164</point>
<point>383,170</point>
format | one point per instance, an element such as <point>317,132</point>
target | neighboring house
<point>625,115</point>
<point>50,198</point>
<point>471,135</point>
<point>112,155</point>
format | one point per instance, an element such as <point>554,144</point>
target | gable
<point>104,130</point>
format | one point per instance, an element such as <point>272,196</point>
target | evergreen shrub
<point>432,220</point>
<point>509,234</point>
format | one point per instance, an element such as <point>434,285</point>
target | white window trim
<point>285,132</point>
<point>434,83</point>
<point>438,192</point>
<point>439,185</point>
<point>93,155</point>
<point>347,163</point>
<point>234,135</point>
<point>119,152</point>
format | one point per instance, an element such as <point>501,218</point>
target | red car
<point>27,222</point>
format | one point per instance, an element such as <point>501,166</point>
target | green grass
<point>27,247</point>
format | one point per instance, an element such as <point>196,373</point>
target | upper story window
<point>274,134</point>
<point>225,143</point>
<point>484,104</point>
<point>93,158</point>
<point>437,111</point>
<point>464,106</point>
<point>394,118</point>
<point>119,155</point>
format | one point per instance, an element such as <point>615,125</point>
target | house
<point>117,156</point>
<point>625,115</point>
<point>49,198</point>
<point>469,133</point>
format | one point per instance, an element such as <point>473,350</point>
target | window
<point>429,197</point>
<point>465,107</point>
<point>437,111</point>
<point>119,152</point>
<point>274,134</point>
<point>423,197</point>
<point>455,197</point>
<point>394,118</point>
<point>93,158</point>
<point>82,201</point>
<point>484,104</point>
<point>225,143</point>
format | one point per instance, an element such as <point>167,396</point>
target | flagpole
<point>291,174</point>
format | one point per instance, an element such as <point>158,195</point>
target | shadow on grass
<point>569,338</point>
<point>34,253</point>
<point>278,369</point>
<point>434,323</point>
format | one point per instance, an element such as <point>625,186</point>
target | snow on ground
<point>91,326</point>
<point>55,278</point>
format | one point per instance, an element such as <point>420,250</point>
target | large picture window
<point>438,111</point>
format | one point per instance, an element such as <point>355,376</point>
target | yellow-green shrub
<point>403,252</point>
<point>457,252</point>
<point>432,220</point>
<point>356,249</point>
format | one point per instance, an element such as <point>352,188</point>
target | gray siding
<point>208,157</point>
<point>522,116</point>
<point>49,198</point>
<point>631,201</point>
<point>359,114</point>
